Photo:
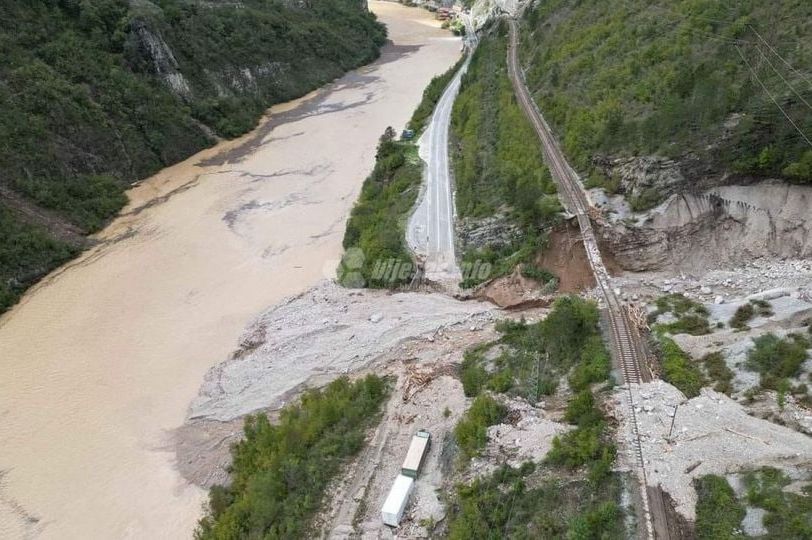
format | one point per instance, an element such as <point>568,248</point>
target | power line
<point>772,50</point>
<point>791,121</point>
<point>783,78</point>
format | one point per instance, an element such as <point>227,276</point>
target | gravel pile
<point>712,434</point>
<point>321,334</point>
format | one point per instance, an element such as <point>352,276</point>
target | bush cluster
<point>471,432</point>
<point>280,471</point>
<point>535,356</point>
<point>498,165</point>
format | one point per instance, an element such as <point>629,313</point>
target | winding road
<point>626,341</point>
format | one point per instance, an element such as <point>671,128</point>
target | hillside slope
<point>98,94</point>
<point>655,97</point>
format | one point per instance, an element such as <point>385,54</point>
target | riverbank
<point>102,358</point>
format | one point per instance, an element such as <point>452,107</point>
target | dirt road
<point>101,360</point>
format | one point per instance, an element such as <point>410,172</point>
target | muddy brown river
<point>101,360</point>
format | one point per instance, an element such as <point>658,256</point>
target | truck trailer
<point>396,501</point>
<point>418,449</point>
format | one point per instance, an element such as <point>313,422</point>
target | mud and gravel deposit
<point>712,434</point>
<point>101,360</point>
<point>329,330</point>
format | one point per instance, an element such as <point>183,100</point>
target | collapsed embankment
<point>725,225</point>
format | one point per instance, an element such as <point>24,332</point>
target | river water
<point>101,360</point>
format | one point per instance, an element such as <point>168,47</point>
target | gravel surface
<point>323,333</point>
<point>712,434</point>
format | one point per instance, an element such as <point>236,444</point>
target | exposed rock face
<point>726,224</point>
<point>495,231</point>
<point>638,174</point>
<point>149,45</point>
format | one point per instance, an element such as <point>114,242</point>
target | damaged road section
<point>317,336</point>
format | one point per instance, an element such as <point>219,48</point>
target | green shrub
<point>717,370</point>
<point>718,512</point>
<point>679,369</point>
<point>744,314</point>
<point>789,515</point>
<point>471,432</point>
<point>692,317</point>
<point>775,358</point>
<point>521,503</point>
<point>280,472</point>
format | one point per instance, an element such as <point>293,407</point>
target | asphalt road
<point>431,227</point>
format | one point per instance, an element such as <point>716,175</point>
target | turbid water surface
<point>101,360</point>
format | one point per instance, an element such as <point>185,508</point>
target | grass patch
<point>718,512</point>
<point>679,369</point>
<point>691,317</point>
<point>717,371</point>
<point>280,472</point>
<point>777,359</point>
<point>747,312</point>
<point>789,515</point>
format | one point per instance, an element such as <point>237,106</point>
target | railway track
<point>626,339</point>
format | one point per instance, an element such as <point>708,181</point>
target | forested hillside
<point>99,93</point>
<point>498,166</point>
<point>723,88</point>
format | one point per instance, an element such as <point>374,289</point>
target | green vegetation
<point>718,513</point>
<point>431,95</point>
<point>636,77</point>
<point>533,357</point>
<point>746,312</point>
<point>376,254</point>
<point>778,359</point>
<point>573,494</point>
<point>26,253</point>
<point>532,502</point>
<point>789,515</point>
<point>471,432</point>
<point>497,160</point>
<point>679,369</point>
<point>691,317</point>
<point>280,472</point>
<point>87,108</point>
<point>716,370</point>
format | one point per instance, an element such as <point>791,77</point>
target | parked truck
<point>418,449</point>
<point>396,501</point>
